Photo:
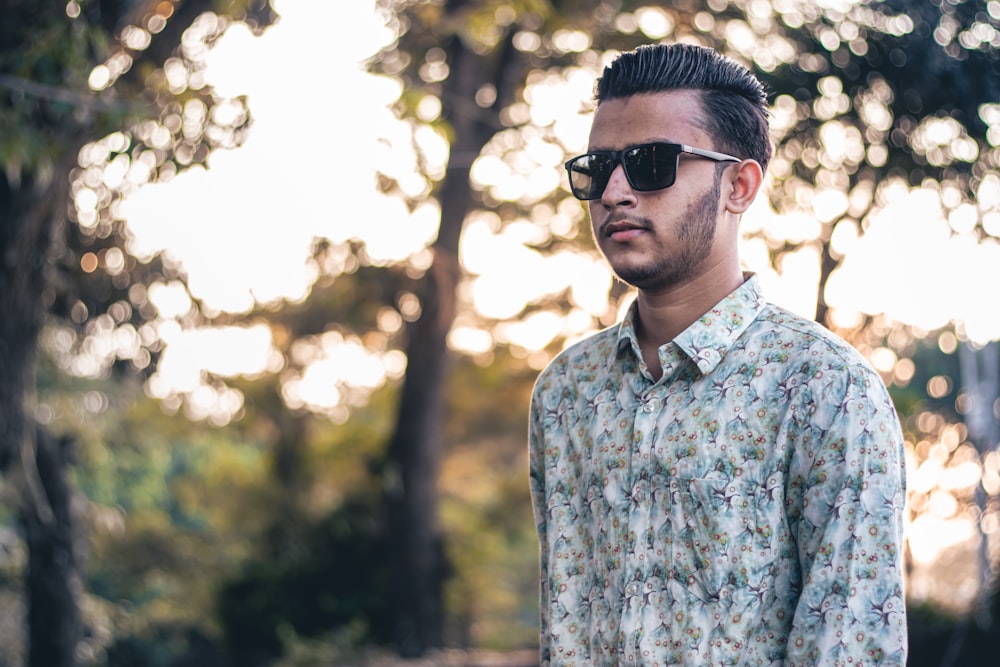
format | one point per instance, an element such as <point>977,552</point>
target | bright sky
<point>243,228</point>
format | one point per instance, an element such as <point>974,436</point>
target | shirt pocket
<point>720,553</point>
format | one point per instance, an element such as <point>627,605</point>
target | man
<point>716,481</point>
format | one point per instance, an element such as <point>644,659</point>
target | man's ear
<point>744,181</point>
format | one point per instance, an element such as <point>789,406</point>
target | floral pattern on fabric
<point>746,509</point>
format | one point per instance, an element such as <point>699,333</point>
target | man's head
<point>734,102</point>
<point>676,155</point>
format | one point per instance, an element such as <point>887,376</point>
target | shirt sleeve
<point>851,609</point>
<point>536,479</point>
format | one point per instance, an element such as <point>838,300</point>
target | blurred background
<point>277,279</point>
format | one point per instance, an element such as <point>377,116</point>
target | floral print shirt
<point>745,509</point>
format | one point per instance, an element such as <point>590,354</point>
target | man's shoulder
<point>587,355</point>
<point>797,334</point>
<point>828,369</point>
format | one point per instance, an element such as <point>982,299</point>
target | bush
<point>335,581</point>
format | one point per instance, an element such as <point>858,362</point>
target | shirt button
<point>648,407</point>
<point>632,588</point>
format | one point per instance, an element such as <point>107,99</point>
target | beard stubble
<point>695,236</point>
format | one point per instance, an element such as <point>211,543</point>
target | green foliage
<point>172,507</point>
<point>334,578</point>
<point>328,575</point>
<point>189,552</point>
<point>167,646</point>
<point>938,638</point>
<point>190,533</point>
<point>44,65</point>
<point>930,362</point>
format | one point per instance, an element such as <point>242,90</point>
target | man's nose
<point>619,191</point>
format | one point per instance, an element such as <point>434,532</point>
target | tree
<point>413,457</point>
<point>53,61</point>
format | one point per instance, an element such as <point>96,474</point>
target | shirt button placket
<point>640,560</point>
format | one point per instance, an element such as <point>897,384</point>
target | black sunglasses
<point>647,167</point>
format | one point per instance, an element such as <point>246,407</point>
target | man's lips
<point>623,230</point>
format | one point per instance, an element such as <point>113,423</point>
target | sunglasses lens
<point>648,167</point>
<point>651,166</point>
<point>589,175</point>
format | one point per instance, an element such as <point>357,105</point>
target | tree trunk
<point>828,264</point>
<point>31,209</point>
<point>980,368</point>
<point>53,579</point>
<point>287,467</point>
<point>980,372</point>
<point>26,214</point>
<point>417,563</point>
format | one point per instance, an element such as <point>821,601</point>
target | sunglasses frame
<point>618,158</point>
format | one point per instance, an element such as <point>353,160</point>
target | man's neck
<point>665,314</point>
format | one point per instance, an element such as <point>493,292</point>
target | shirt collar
<point>708,339</point>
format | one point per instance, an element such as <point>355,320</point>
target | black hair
<point>733,99</point>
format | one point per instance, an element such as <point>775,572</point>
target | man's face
<point>663,239</point>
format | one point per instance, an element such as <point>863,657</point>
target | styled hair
<point>734,102</point>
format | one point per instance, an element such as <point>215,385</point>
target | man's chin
<point>647,279</point>
<point>651,278</point>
